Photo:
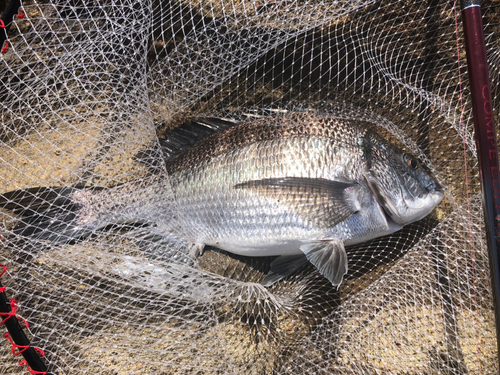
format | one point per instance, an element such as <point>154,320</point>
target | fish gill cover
<point>89,93</point>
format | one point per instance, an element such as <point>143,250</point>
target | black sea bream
<point>297,185</point>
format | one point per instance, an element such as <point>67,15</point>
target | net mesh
<point>86,85</point>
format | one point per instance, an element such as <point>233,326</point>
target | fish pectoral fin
<point>329,257</point>
<point>284,266</point>
<point>317,199</point>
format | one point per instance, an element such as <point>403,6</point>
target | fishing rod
<point>484,124</point>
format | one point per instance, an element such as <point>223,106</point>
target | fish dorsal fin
<point>182,138</point>
<point>185,136</point>
<point>321,200</point>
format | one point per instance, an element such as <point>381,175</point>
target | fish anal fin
<point>284,266</point>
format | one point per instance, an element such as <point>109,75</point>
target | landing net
<point>85,85</point>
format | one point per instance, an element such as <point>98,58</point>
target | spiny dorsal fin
<point>182,138</point>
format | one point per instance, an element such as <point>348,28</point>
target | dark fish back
<point>182,138</point>
<point>269,128</point>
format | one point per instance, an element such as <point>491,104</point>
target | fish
<point>300,186</point>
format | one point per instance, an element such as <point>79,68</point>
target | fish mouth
<point>436,187</point>
<point>418,211</point>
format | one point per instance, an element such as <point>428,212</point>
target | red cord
<point>18,349</point>
<point>2,25</point>
<point>4,269</point>
<point>21,14</point>
<point>5,47</point>
<point>21,348</point>
<point>26,324</point>
<point>13,303</point>
<point>11,313</point>
<point>33,372</point>
<point>13,346</point>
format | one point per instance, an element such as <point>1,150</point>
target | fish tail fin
<point>45,213</point>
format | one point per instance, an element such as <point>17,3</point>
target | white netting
<point>85,85</point>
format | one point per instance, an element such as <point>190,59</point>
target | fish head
<point>400,184</point>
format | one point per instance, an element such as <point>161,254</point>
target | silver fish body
<point>217,211</point>
<point>280,185</point>
<point>297,185</point>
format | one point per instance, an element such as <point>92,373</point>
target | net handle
<point>20,344</point>
<point>484,124</point>
<point>6,20</point>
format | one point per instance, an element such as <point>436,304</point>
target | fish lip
<point>435,187</point>
<point>434,196</point>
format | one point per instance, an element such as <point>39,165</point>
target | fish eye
<point>410,161</point>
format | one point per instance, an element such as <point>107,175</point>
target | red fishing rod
<point>482,110</point>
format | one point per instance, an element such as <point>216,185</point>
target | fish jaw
<point>420,208</point>
<point>402,210</point>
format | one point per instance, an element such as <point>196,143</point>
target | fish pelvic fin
<point>329,257</point>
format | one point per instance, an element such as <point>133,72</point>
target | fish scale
<point>209,188</point>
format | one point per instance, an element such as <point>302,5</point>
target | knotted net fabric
<point>85,85</point>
